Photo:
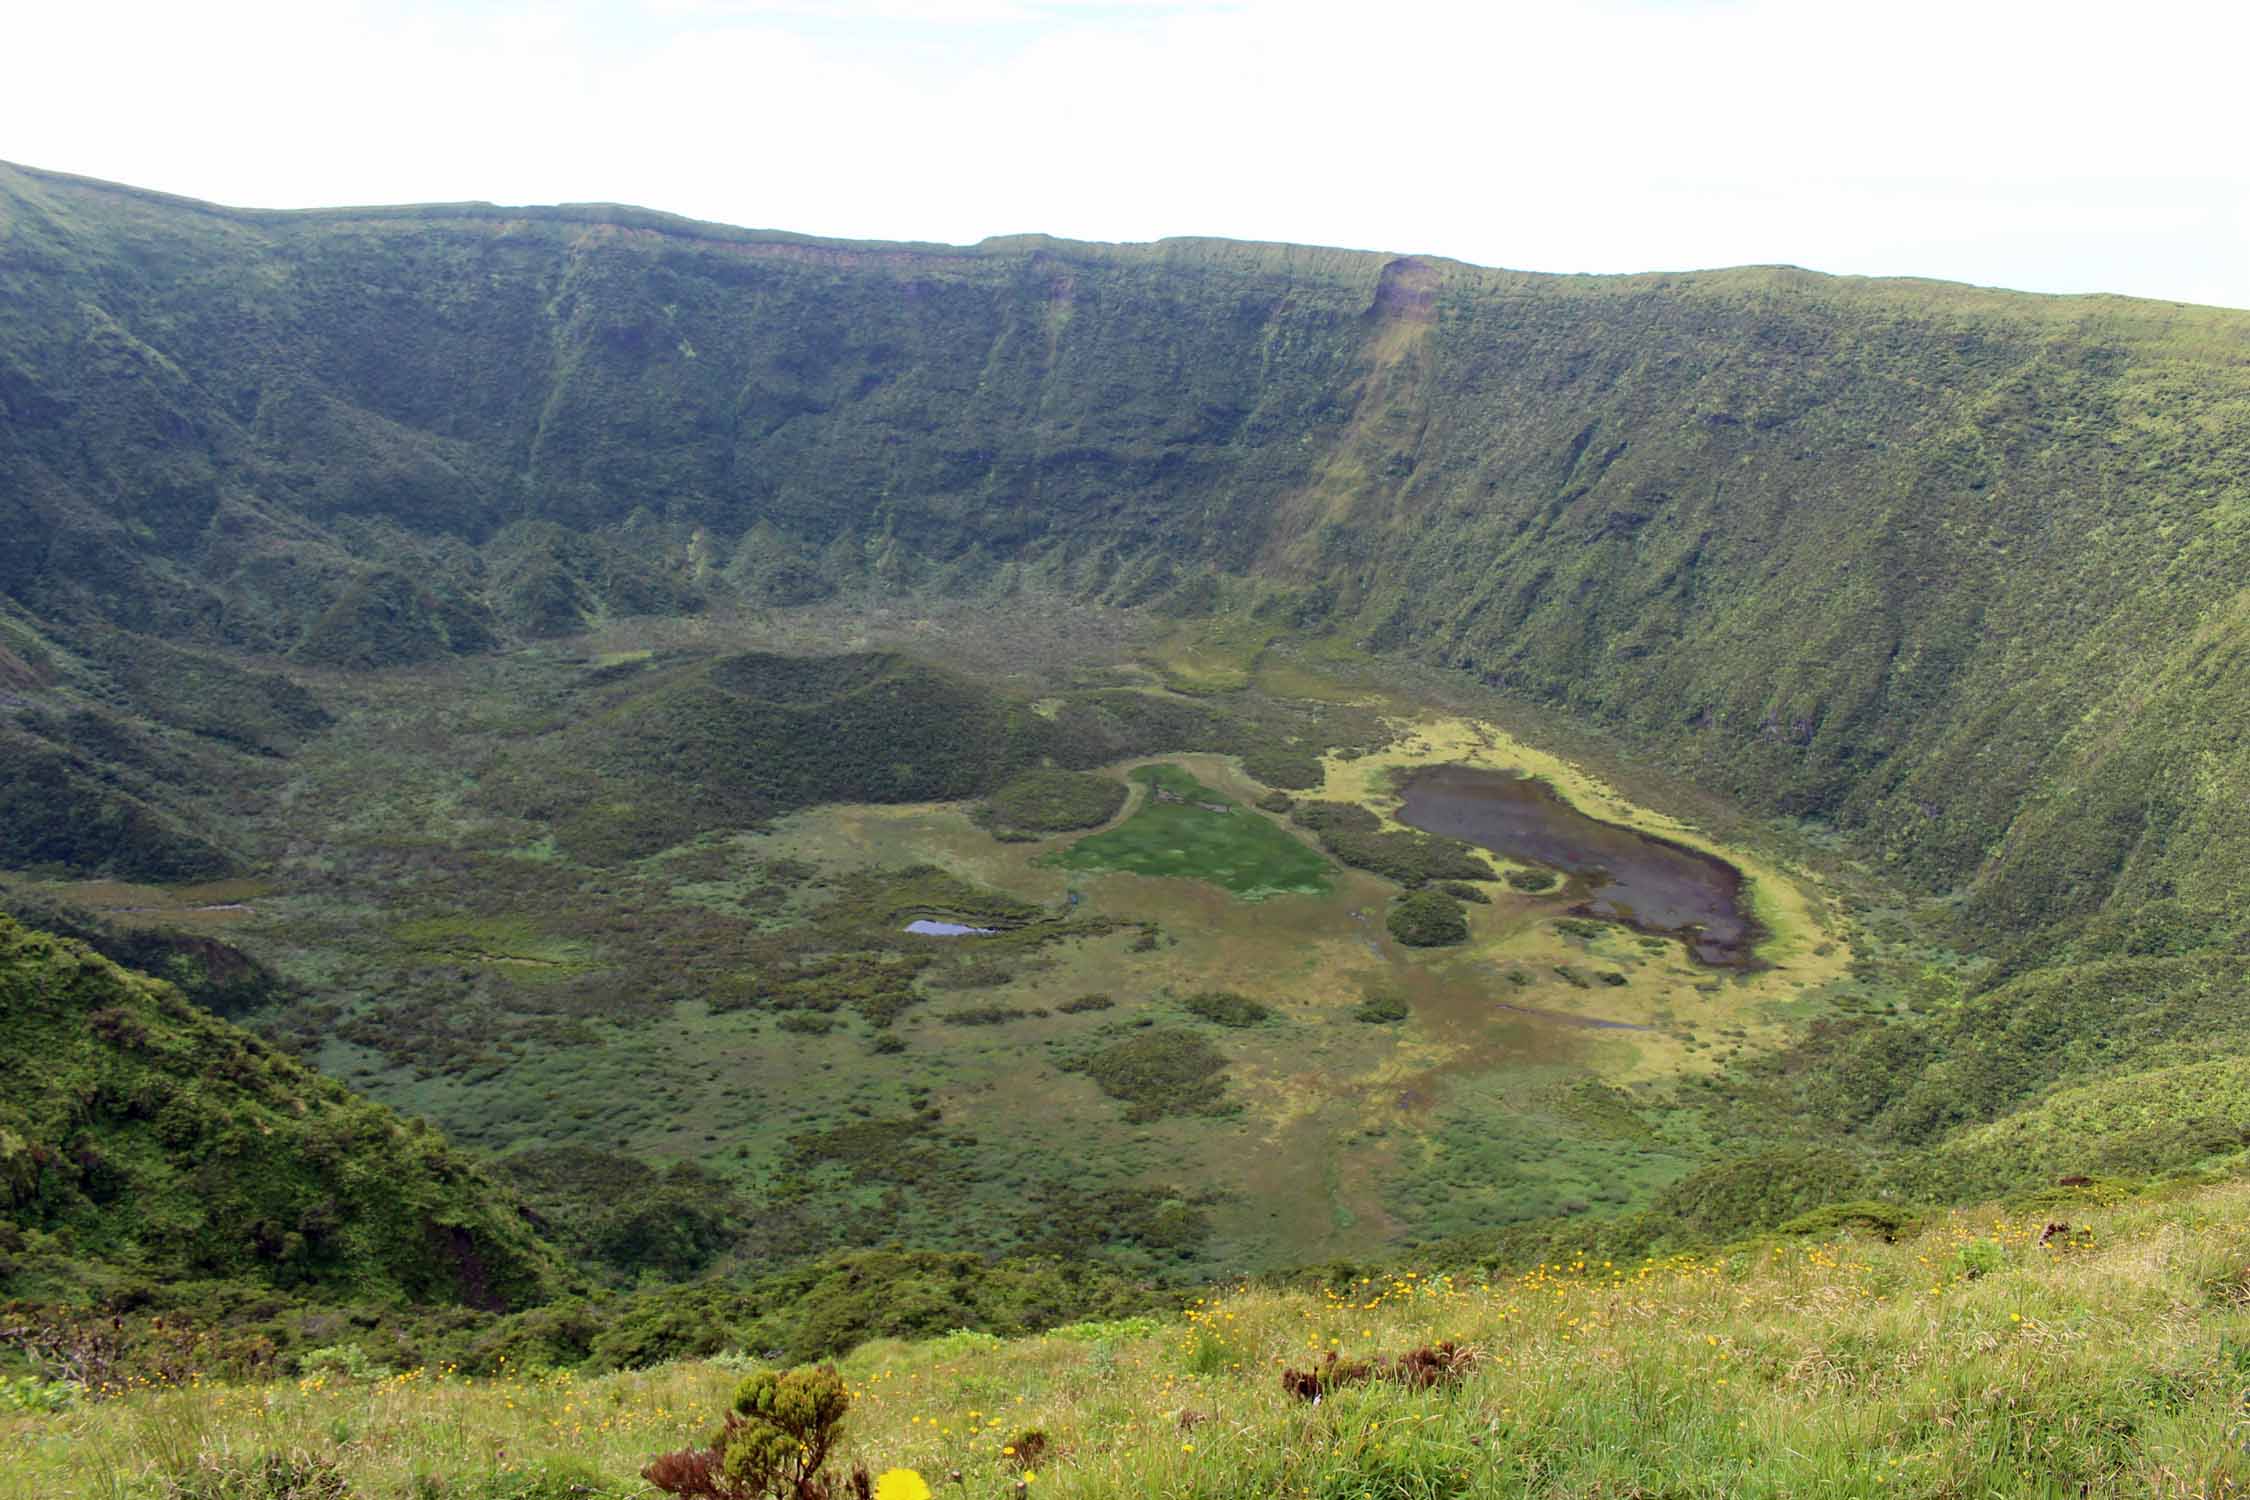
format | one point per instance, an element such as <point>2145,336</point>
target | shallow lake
<point>1620,875</point>
<point>928,928</point>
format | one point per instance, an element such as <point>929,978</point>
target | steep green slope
<point>1957,569</point>
<point>141,1139</point>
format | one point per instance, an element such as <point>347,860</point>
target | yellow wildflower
<point>901,1484</point>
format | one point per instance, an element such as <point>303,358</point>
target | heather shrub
<point>774,1446</point>
<point>1428,919</point>
<point>1226,1008</point>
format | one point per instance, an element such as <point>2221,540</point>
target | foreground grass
<point>1970,1361</point>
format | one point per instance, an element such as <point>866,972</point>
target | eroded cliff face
<point>1915,557</point>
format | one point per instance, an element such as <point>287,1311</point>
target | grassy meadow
<point>1985,1355</point>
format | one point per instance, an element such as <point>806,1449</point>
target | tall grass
<point>1971,1361</point>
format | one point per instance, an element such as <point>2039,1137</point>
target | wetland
<point>1618,874</point>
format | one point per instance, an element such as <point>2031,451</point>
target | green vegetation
<point>1183,828</point>
<point>141,1139</point>
<point>1051,801</point>
<point>1427,919</point>
<point>1190,427</point>
<point>1967,1357</point>
<point>732,742</point>
<point>218,976</point>
<point>1226,1008</point>
<point>1357,837</point>
<point>1381,1010</point>
<point>1284,770</point>
<point>1160,1074</point>
<point>478,582</point>
<point>779,1430</point>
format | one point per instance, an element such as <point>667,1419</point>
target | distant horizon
<point>790,231</point>
<point>2053,148</point>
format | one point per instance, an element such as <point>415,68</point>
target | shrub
<point>774,1446</point>
<point>27,1393</point>
<point>1428,919</point>
<point>1380,1010</point>
<point>345,1361</point>
<point>1139,1326</point>
<point>1356,836</point>
<point>1158,1074</point>
<point>1461,890</point>
<point>1980,1258</point>
<point>1085,1003</point>
<point>1050,801</point>
<point>1533,881</point>
<point>1294,770</point>
<point>1226,1008</point>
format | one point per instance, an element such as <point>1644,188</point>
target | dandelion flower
<point>901,1484</point>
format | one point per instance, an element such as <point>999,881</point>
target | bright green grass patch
<point>1186,829</point>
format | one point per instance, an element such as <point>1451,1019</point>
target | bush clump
<point>774,1446</point>
<point>1226,1008</point>
<point>1530,881</point>
<point>1159,1074</point>
<point>1461,890</point>
<point>1356,836</point>
<point>1428,919</point>
<point>1051,801</point>
<point>1290,770</point>
<point>1085,1003</point>
<point>1380,1010</point>
<point>987,1015</point>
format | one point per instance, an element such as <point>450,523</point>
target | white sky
<point>2051,146</point>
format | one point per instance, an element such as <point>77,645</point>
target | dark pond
<point>1619,875</point>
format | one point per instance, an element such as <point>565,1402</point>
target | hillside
<point>1996,1353</point>
<point>144,1142</point>
<point>1956,570</point>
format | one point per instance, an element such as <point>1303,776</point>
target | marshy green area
<point>1185,829</point>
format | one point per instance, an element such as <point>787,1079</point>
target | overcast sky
<point>2050,146</point>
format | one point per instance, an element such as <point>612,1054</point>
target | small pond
<point>928,928</point>
<point>1620,875</point>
